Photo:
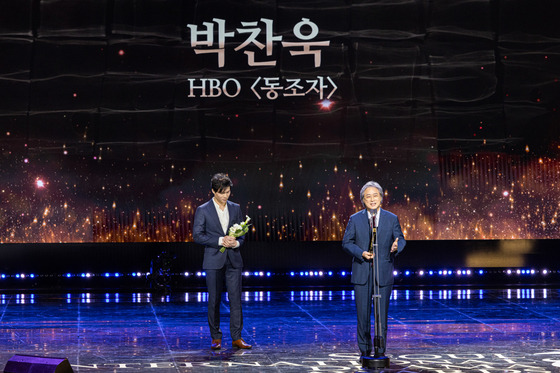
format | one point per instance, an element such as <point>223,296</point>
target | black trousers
<point>363,297</point>
<point>215,283</point>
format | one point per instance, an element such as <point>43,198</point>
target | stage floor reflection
<point>430,330</point>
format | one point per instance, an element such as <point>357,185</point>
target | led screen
<point>115,114</point>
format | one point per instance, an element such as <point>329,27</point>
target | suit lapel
<point>230,213</point>
<point>381,228</point>
<point>214,215</point>
<point>365,221</point>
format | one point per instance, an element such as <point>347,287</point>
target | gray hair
<point>370,184</point>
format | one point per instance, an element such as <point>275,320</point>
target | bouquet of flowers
<point>238,230</point>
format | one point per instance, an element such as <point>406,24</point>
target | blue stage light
<point>117,274</point>
<point>292,274</point>
<point>395,273</point>
<point>431,273</point>
<point>330,273</point>
<point>256,273</point>
<point>107,274</point>
<point>3,275</point>
<point>407,273</point>
<point>68,275</point>
<point>268,274</point>
<point>307,273</point>
<point>343,273</point>
<point>32,275</point>
<point>480,272</point>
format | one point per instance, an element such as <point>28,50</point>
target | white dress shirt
<point>376,217</point>
<point>223,215</point>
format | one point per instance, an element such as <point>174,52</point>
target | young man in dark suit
<point>357,241</point>
<point>212,221</point>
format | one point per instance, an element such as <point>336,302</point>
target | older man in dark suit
<point>357,241</point>
<point>212,221</point>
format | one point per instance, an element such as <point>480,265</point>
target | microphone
<point>373,228</point>
<point>373,231</point>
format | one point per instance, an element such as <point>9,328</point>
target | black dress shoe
<point>364,354</point>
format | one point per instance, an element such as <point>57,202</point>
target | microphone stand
<point>377,360</point>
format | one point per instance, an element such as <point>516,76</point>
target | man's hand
<point>229,241</point>
<point>367,255</point>
<point>395,245</point>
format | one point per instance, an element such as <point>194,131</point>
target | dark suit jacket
<point>207,230</point>
<point>357,240</point>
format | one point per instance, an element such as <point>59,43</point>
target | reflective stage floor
<point>430,330</point>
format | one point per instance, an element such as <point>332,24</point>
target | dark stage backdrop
<point>115,114</point>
